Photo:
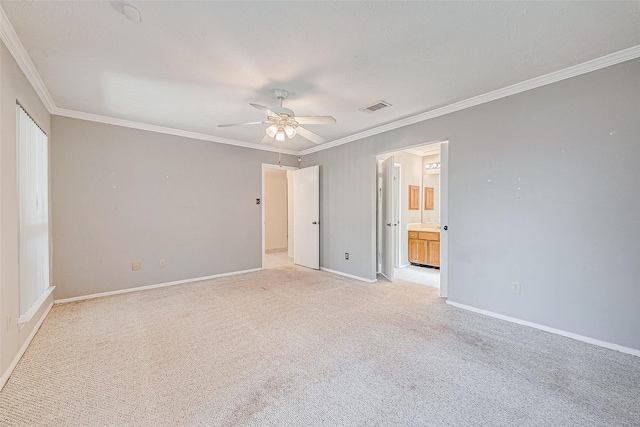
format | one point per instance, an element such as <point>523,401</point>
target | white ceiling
<point>193,65</point>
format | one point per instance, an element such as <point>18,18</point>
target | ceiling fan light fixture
<point>272,131</point>
<point>283,123</point>
<point>290,131</point>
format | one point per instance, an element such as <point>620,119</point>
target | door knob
<point>314,222</point>
<point>389,224</point>
<point>445,228</point>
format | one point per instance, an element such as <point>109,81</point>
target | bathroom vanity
<point>424,246</point>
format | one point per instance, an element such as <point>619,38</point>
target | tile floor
<point>277,259</point>
<point>421,275</point>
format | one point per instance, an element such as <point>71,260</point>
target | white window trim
<point>29,315</point>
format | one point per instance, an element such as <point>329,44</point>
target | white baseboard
<point>351,276</point>
<point>14,363</point>
<point>621,349</point>
<point>159,285</point>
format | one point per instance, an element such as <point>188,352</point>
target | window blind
<point>33,193</point>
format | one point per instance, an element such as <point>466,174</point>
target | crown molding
<point>17,50</point>
<point>165,130</point>
<point>536,82</point>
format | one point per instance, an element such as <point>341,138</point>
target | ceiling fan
<point>285,124</point>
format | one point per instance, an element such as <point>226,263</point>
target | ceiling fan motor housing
<point>281,93</point>
<point>282,111</point>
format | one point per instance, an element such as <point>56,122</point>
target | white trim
<point>26,318</point>
<point>556,76</point>
<point>398,210</point>
<point>266,166</point>
<point>405,265</point>
<point>165,130</point>
<point>159,285</point>
<point>351,276</point>
<point>19,53</point>
<point>9,371</point>
<point>444,218</point>
<point>621,349</point>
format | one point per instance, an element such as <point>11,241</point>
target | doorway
<point>290,216</point>
<point>419,202</point>
<point>277,216</point>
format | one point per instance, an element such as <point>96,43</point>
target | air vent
<point>376,106</point>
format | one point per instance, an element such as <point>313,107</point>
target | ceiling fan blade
<point>239,124</point>
<point>266,139</point>
<point>316,139</point>
<point>315,120</point>
<point>265,110</point>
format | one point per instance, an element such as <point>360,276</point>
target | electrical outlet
<point>346,255</point>
<point>135,266</point>
<point>163,263</point>
<point>515,288</point>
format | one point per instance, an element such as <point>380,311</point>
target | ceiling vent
<point>376,106</point>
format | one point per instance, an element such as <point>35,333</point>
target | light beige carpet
<point>291,346</point>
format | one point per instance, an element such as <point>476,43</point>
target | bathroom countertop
<point>430,228</point>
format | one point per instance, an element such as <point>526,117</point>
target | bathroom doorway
<point>419,256</point>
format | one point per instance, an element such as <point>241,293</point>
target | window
<point>33,194</point>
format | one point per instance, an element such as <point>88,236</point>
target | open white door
<point>306,217</point>
<point>387,253</point>
<point>444,218</point>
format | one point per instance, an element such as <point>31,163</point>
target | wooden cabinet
<point>414,251</point>
<point>428,198</point>
<point>424,248</point>
<point>433,253</point>
<point>414,197</point>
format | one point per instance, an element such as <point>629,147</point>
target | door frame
<point>444,218</point>
<point>398,208</point>
<point>387,219</point>
<point>444,207</point>
<point>266,166</point>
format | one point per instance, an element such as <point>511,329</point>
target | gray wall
<point>123,195</point>
<point>13,87</point>
<point>543,190</point>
